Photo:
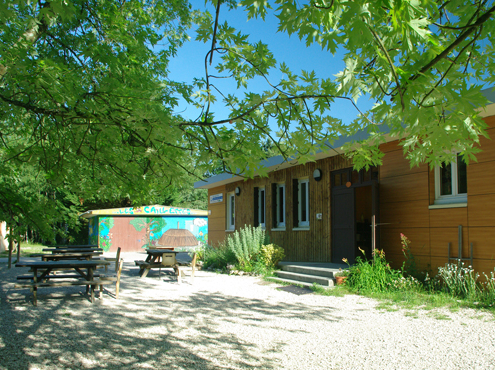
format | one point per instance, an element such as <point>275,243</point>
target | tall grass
<point>459,281</point>
<point>454,283</point>
<point>372,276</point>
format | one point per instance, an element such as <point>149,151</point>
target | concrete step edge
<point>322,280</point>
<point>309,270</point>
<point>295,282</point>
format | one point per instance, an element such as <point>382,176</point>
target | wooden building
<point>133,229</point>
<point>322,211</point>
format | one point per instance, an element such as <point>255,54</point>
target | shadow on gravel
<point>142,329</point>
<point>295,290</point>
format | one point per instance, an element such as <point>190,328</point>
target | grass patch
<point>337,291</point>
<point>26,250</point>
<point>409,300</point>
<point>439,316</point>
<point>413,314</point>
<point>387,305</point>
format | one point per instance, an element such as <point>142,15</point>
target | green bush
<point>271,255</point>
<point>218,257</point>
<point>245,244</point>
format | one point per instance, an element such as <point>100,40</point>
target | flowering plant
<point>341,272</point>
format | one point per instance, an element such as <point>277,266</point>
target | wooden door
<point>343,224</point>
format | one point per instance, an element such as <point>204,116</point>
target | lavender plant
<point>246,244</point>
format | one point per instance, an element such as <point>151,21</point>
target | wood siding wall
<point>217,219</point>
<point>313,245</point>
<point>405,196</point>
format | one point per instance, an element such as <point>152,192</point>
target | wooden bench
<point>57,276</point>
<point>43,271</point>
<point>144,264</point>
<point>145,267</point>
<point>93,283</point>
<point>38,254</point>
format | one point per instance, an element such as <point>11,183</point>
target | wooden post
<point>373,235</point>
<point>459,253</point>
<point>193,265</point>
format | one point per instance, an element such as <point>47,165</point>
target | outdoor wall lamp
<point>317,174</point>
<point>237,191</point>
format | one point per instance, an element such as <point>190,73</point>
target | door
<point>375,234</point>
<point>343,224</point>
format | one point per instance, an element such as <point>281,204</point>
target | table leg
<point>177,272</point>
<point>87,274</point>
<point>145,271</point>
<point>35,288</point>
<point>90,278</point>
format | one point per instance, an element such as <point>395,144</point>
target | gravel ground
<point>229,322</point>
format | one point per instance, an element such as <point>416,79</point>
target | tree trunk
<point>18,250</point>
<point>11,247</point>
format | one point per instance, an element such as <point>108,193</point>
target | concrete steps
<point>308,274</point>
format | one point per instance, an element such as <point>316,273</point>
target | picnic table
<point>62,253</point>
<point>43,276</point>
<point>161,257</point>
<point>72,250</point>
<point>70,256</point>
<point>73,246</point>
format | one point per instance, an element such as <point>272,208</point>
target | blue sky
<point>190,60</point>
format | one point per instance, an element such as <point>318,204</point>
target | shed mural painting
<point>133,229</point>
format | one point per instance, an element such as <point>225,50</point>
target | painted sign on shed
<point>134,229</point>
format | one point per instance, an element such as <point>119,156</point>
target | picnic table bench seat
<point>89,283</point>
<point>56,276</point>
<point>37,254</point>
<point>144,264</point>
<point>62,283</point>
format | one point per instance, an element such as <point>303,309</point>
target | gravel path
<point>229,322</point>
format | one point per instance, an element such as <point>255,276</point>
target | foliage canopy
<point>86,98</point>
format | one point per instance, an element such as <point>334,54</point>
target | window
<point>259,207</point>
<point>301,199</point>
<point>451,182</point>
<point>278,205</point>
<point>230,211</point>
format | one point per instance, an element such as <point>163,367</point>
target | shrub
<point>245,244</point>
<point>271,255</point>
<point>218,257</point>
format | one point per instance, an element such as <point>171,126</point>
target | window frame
<point>455,197</point>
<point>280,224</point>
<point>300,197</point>
<point>230,198</point>
<point>261,206</point>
